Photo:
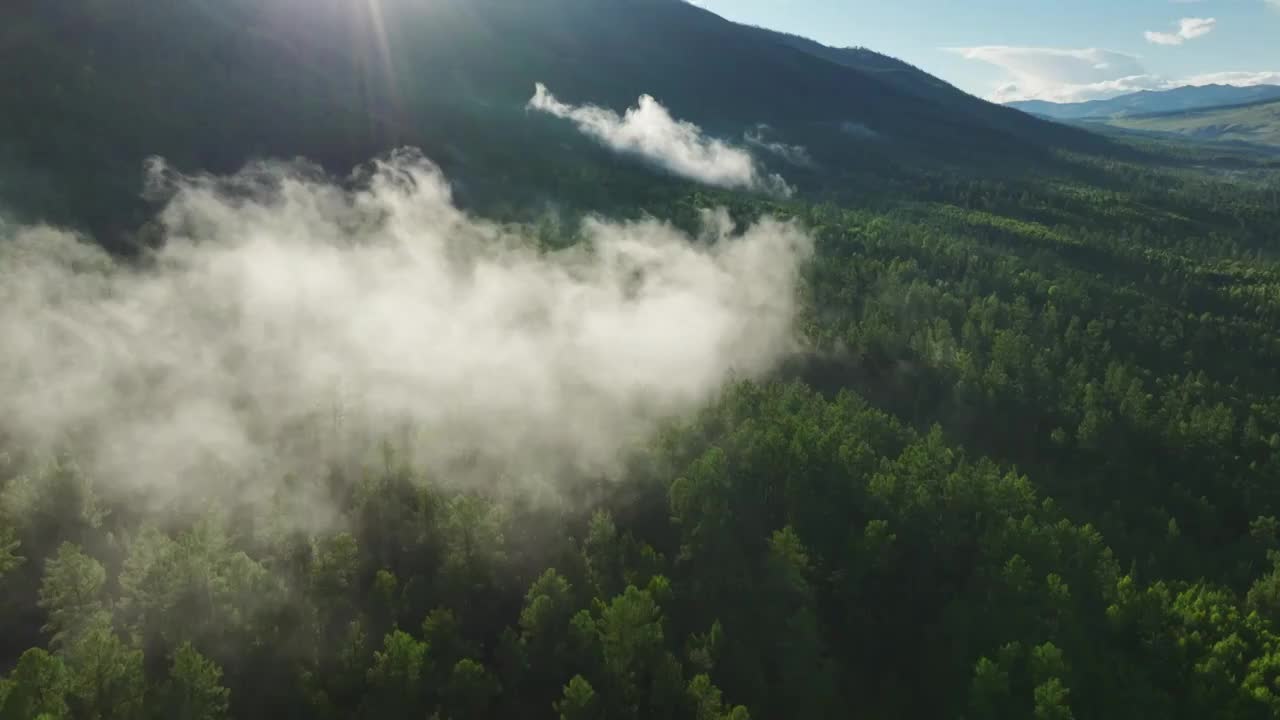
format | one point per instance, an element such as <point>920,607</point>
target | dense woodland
<point>1027,468</point>
<point>1027,465</point>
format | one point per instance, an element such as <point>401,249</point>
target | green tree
<point>71,593</point>
<point>707,704</point>
<point>9,548</point>
<point>395,680</point>
<point>338,682</point>
<point>603,555</point>
<point>336,566</point>
<point>194,689</point>
<point>192,587</point>
<point>469,691</point>
<point>544,624</point>
<point>442,632</point>
<point>786,648</point>
<point>578,701</point>
<point>107,680</point>
<point>641,676</point>
<point>989,691</point>
<point>37,687</point>
<point>1051,701</point>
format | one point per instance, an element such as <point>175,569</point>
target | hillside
<point>1255,123</point>
<point>1151,101</point>
<point>916,82</point>
<point>328,80</point>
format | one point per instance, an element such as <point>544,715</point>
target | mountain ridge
<point>1187,97</point>
<point>333,81</point>
<point>1256,123</point>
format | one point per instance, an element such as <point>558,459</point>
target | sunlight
<point>377,25</point>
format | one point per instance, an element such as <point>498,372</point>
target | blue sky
<point>1064,50</point>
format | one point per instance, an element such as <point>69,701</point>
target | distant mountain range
<point>1255,123</point>
<point>1151,101</point>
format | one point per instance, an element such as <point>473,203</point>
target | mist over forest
<point>284,317</point>
<point>596,359</point>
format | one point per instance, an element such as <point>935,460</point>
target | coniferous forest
<point>1019,457</point>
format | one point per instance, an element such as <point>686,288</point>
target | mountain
<point>1255,123</point>
<point>1151,101</point>
<point>916,82</point>
<point>210,85</point>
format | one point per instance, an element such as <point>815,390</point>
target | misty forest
<point>596,359</point>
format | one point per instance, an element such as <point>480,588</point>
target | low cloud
<point>794,154</point>
<point>289,321</point>
<point>858,130</point>
<point>1075,75</point>
<point>1188,29</point>
<point>649,131</point>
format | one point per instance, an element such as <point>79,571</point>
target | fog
<point>794,154</point>
<point>289,320</point>
<point>648,130</point>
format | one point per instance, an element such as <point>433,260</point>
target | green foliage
<point>37,687</point>
<point>106,678</point>
<point>989,693</point>
<point>707,704</point>
<point>71,593</point>
<point>1051,701</point>
<point>579,701</point>
<point>335,566</point>
<point>192,588</point>
<point>470,690</point>
<point>9,548</point>
<point>395,679</point>
<point>194,690</point>
<point>1024,480</point>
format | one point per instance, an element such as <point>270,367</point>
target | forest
<point>1025,467</point>
<point>1022,460</point>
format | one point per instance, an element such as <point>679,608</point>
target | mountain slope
<point>209,85</point>
<point>1151,101</point>
<point>1257,123</point>
<point>913,80</point>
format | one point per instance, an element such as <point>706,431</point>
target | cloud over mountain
<point>648,130</point>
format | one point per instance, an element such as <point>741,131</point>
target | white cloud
<point>1159,38</point>
<point>1188,29</point>
<point>290,322</point>
<point>1059,74</point>
<point>1076,75</point>
<point>649,130</point>
<point>1079,93</point>
<point>1192,28</point>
